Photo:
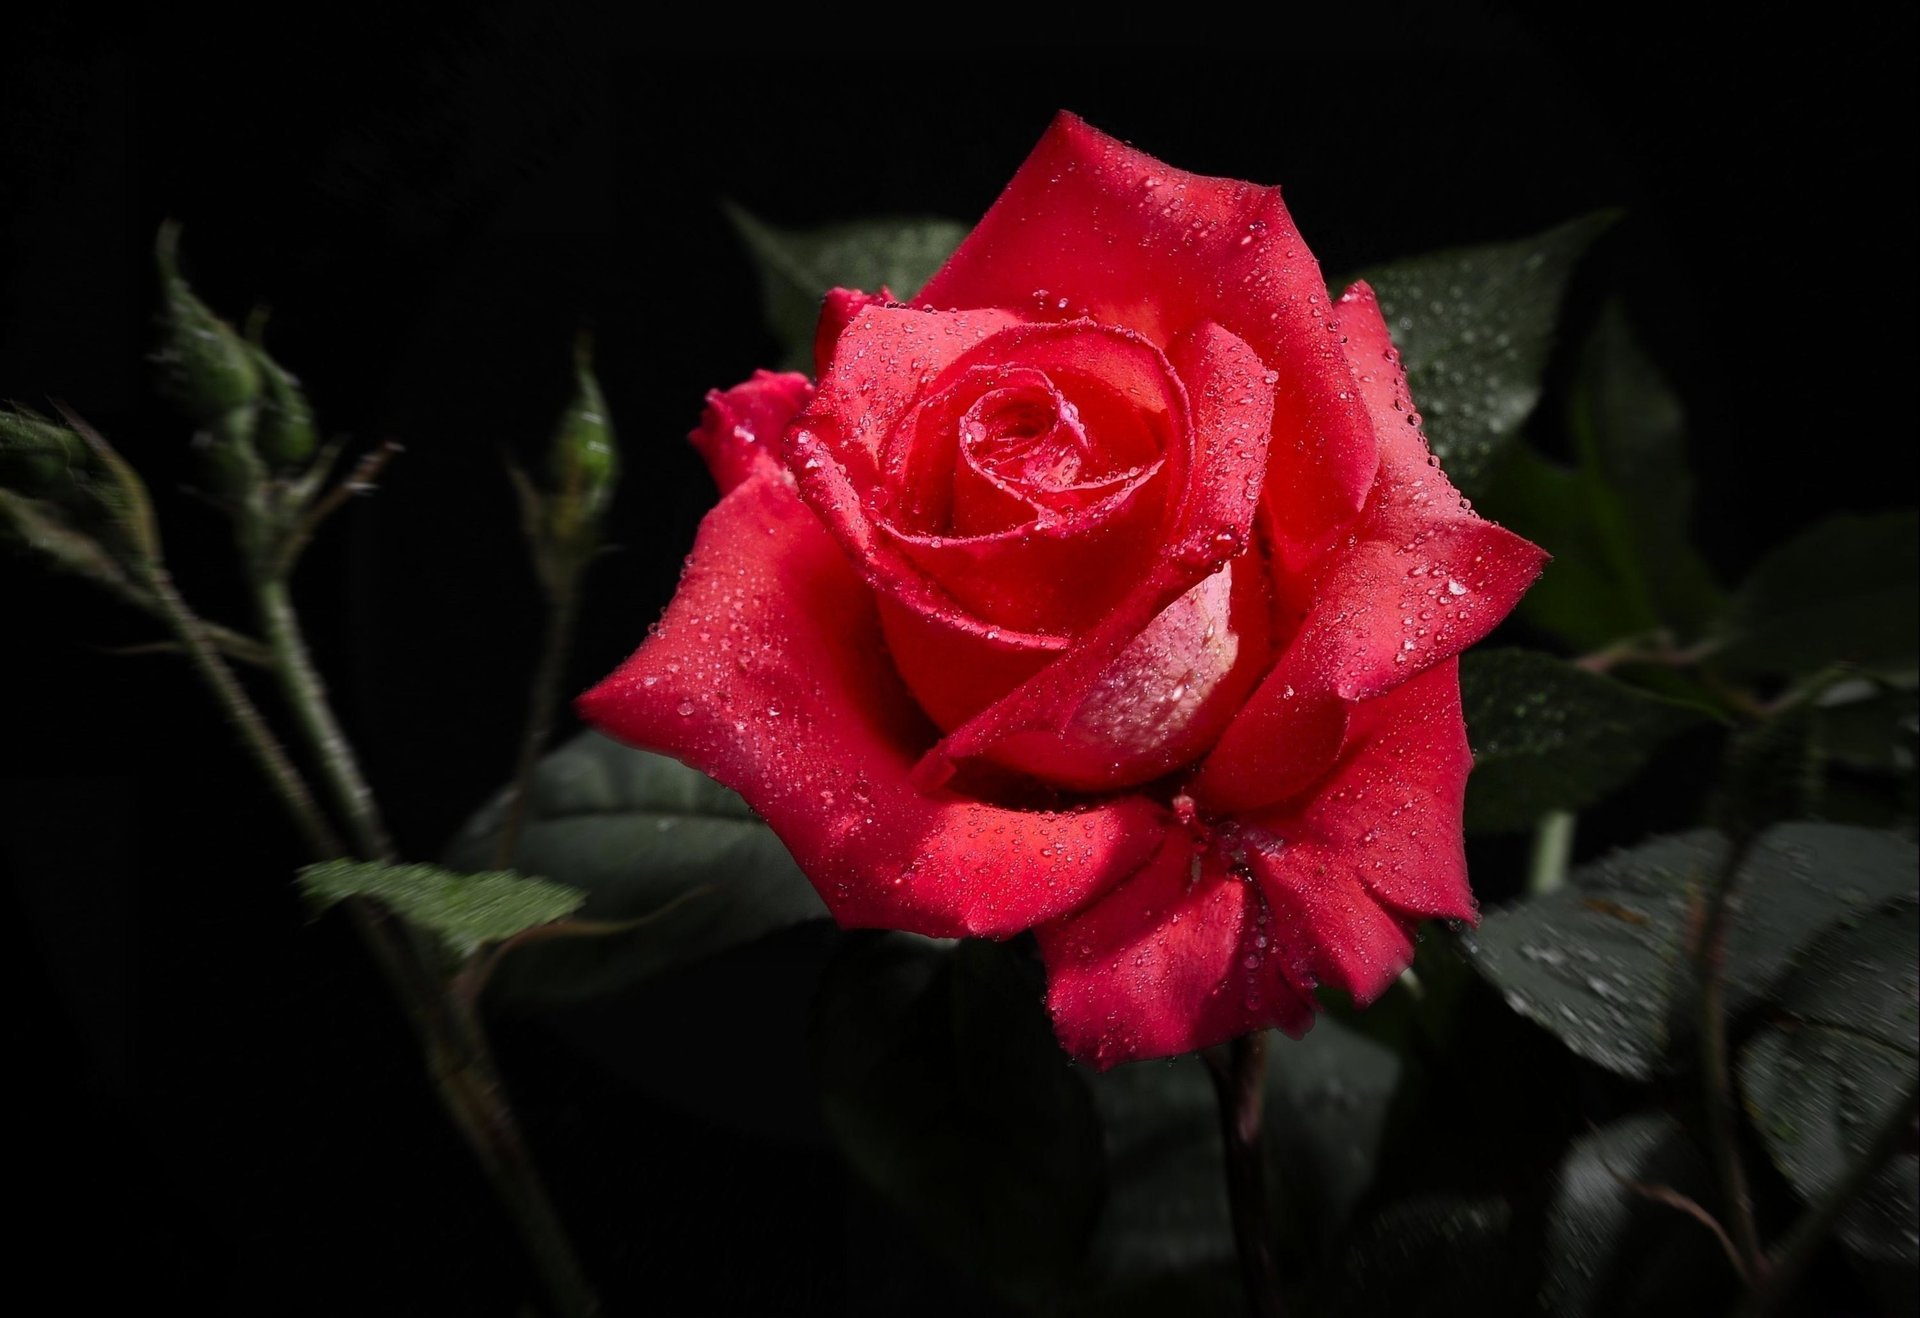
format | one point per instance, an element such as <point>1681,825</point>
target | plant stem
<point>281,774</point>
<point>469,1085</point>
<point>1552,850</point>
<point>1239,1072</point>
<point>301,684</point>
<point>461,1063</point>
<point>542,698</point>
<point>1722,1119</point>
<point>1792,1256</point>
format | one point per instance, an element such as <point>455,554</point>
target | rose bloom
<point>1107,589</point>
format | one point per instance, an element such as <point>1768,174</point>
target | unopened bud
<point>283,431</point>
<point>206,370</point>
<point>583,458</point>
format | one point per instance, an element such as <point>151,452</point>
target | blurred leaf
<point>1432,1255</point>
<point>1821,1084</point>
<point>1550,736</point>
<point>637,831</point>
<point>1595,962</point>
<point>1611,1249</point>
<point>1327,1097</point>
<point>466,911</point>
<point>1616,523</point>
<point>1475,327</point>
<point>1868,726</point>
<point>797,268</point>
<point>1845,590</point>
<point>940,1077</point>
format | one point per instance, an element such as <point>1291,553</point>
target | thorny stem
<point>1239,1071</point>
<point>1792,1256</point>
<point>282,776</point>
<point>542,698</point>
<point>1709,956</point>
<point>301,684</point>
<point>459,1059</point>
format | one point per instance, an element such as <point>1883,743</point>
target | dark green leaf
<point>466,911</point>
<point>1821,1084</point>
<point>1326,1102</point>
<point>1611,1248</point>
<point>1431,1256</point>
<point>1596,961</point>
<point>1474,327</point>
<point>940,1077</point>
<point>1845,590</point>
<point>638,832</point>
<point>1868,726</point>
<point>1550,736</point>
<point>797,269</point>
<point>1617,522</point>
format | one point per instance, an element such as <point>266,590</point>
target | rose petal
<point>1061,571</point>
<point>1427,578</point>
<point>1233,933</point>
<point>769,673</point>
<point>1423,579</point>
<point>1378,845</point>
<point>742,426</point>
<point>1091,227</point>
<point>1219,473</point>
<point>1160,965</point>
<point>837,310</point>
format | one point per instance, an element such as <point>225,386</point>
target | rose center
<point>1027,438</point>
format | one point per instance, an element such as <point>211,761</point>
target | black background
<point>215,1096</point>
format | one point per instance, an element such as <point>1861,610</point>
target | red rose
<point>1107,590</point>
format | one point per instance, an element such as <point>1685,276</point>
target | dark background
<point>215,1097</point>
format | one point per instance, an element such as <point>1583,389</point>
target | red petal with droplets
<point>1090,227</point>
<point>1161,964</point>
<point>1233,934</point>
<point>1424,579</point>
<point>769,673</point>
<point>741,427</point>
<point>1219,477</point>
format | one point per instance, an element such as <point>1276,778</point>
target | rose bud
<point>206,370</point>
<point>283,431</point>
<point>583,458</point>
<point>1105,590</point>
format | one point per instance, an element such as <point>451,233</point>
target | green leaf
<point>940,1077</point>
<point>1845,590</point>
<point>1326,1101</point>
<point>1868,726</point>
<point>1595,962</point>
<point>638,832</point>
<point>1475,327</point>
<point>1550,736</point>
<point>1821,1084</point>
<point>466,911</point>
<point>1611,1248</point>
<point>797,269</point>
<point>1616,523</point>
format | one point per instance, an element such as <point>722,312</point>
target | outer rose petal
<point>1378,844</point>
<point>769,673</point>
<point>741,427</point>
<point>1092,227</point>
<point>1422,579</point>
<point>1207,944</point>
<point>1428,578</point>
<point>1159,966</point>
